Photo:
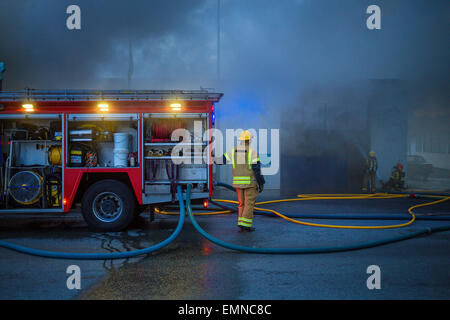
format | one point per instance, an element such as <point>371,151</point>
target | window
<point>448,143</point>
<point>427,143</point>
<point>442,143</point>
<point>419,144</point>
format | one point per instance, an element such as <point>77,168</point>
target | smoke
<point>285,45</point>
<point>41,52</point>
<point>303,66</point>
<point>275,54</point>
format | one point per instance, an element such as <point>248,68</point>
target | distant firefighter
<point>370,173</point>
<point>397,179</point>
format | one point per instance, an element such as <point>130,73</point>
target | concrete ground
<point>193,268</point>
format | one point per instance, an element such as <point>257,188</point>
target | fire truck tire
<point>108,205</point>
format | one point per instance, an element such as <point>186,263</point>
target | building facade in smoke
<point>429,147</point>
<point>429,136</point>
<point>324,146</point>
<point>388,123</point>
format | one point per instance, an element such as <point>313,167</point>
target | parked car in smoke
<point>418,167</point>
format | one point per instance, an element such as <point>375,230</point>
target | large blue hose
<point>225,185</point>
<point>357,246</point>
<point>129,254</point>
<point>102,256</point>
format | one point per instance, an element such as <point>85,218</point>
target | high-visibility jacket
<point>242,158</point>
<point>398,176</point>
<point>371,164</point>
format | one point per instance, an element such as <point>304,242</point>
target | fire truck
<point>109,151</point>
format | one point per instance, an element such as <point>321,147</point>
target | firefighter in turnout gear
<point>370,173</point>
<point>397,179</point>
<point>247,179</point>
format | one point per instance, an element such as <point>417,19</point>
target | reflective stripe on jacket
<point>242,159</point>
<point>371,164</point>
<point>398,175</point>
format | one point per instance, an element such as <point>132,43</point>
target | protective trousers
<point>369,181</point>
<point>246,198</point>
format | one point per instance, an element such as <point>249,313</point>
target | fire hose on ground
<point>103,256</point>
<point>188,210</point>
<point>357,246</point>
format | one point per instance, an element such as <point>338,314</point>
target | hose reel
<point>25,187</point>
<point>55,155</point>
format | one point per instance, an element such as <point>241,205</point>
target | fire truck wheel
<point>108,205</point>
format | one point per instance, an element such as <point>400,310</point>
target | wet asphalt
<point>193,268</point>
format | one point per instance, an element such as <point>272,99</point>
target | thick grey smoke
<point>283,45</point>
<point>302,65</point>
<point>41,52</point>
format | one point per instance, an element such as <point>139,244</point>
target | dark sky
<point>270,50</point>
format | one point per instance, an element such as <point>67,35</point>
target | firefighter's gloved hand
<point>260,188</point>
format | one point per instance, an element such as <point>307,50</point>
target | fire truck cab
<point>111,151</point>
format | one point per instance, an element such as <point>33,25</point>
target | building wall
<point>429,136</point>
<point>439,160</point>
<point>388,122</point>
<point>324,140</point>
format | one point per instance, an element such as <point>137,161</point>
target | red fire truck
<point>109,151</point>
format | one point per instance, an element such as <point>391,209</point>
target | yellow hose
<point>196,214</point>
<point>305,197</point>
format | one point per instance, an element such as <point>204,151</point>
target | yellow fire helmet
<point>372,153</point>
<point>245,135</point>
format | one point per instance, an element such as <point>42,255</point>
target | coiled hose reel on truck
<point>25,187</point>
<point>55,155</point>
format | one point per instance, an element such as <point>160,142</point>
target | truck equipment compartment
<point>31,162</point>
